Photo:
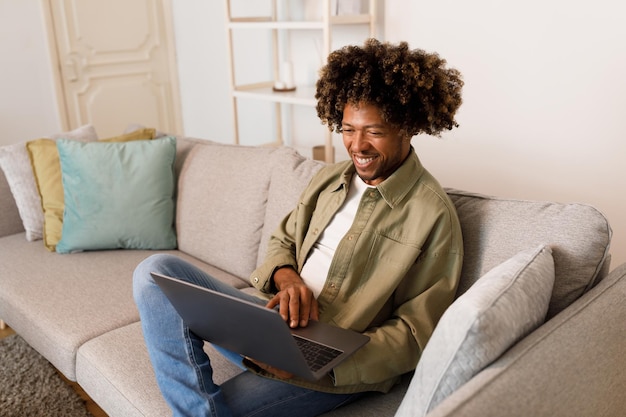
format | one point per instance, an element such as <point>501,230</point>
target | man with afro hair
<point>373,245</point>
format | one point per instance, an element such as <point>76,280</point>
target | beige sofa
<point>77,309</point>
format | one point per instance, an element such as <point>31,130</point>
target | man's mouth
<point>363,160</point>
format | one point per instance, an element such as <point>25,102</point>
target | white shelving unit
<point>303,94</point>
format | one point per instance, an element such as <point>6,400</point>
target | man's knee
<point>159,263</point>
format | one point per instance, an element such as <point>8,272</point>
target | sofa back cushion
<point>230,230</point>
<point>495,229</point>
<point>222,190</point>
<point>291,174</point>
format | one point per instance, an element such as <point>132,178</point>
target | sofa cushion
<point>502,307</point>
<point>222,192</point>
<point>115,370</point>
<point>57,303</point>
<point>291,174</point>
<point>495,229</point>
<point>118,195</point>
<point>16,165</point>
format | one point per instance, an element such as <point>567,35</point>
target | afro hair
<point>413,89</point>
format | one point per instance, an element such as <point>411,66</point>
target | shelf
<point>304,95</point>
<point>357,19</point>
<point>267,23</point>
<point>281,31</point>
<point>275,25</point>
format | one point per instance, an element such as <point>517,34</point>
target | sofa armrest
<point>575,364</point>
<point>10,222</point>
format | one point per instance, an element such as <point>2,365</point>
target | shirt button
<point>350,237</point>
<point>256,280</point>
<point>316,231</point>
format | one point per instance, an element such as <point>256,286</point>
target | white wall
<point>27,100</point>
<point>203,69</point>
<point>544,98</point>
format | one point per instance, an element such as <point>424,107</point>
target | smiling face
<point>376,148</point>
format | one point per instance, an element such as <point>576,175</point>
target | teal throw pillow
<point>118,195</point>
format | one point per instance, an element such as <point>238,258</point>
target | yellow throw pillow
<point>146,133</point>
<point>44,158</point>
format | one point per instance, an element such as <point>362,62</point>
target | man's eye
<point>375,133</point>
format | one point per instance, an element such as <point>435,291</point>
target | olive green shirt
<point>392,276</point>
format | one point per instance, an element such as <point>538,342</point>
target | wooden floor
<point>92,407</point>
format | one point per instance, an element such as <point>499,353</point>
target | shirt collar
<point>398,185</point>
<point>394,188</point>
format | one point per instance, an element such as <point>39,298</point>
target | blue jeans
<point>183,370</point>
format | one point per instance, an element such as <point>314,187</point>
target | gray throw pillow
<point>502,307</point>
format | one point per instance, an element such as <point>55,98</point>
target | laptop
<point>258,332</point>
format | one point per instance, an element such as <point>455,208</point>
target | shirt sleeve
<point>281,251</point>
<point>285,242</point>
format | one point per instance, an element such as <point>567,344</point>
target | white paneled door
<point>116,64</point>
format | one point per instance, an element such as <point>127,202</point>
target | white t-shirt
<point>315,269</point>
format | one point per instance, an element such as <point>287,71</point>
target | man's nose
<point>359,142</point>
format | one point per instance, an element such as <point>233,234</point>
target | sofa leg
<point>3,325</point>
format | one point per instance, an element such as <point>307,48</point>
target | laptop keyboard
<point>316,354</point>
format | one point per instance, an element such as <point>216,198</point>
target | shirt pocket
<point>378,270</point>
<point>377,273</point>
<point>392,255</point>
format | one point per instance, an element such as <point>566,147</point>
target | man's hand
<point>296,300</point>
